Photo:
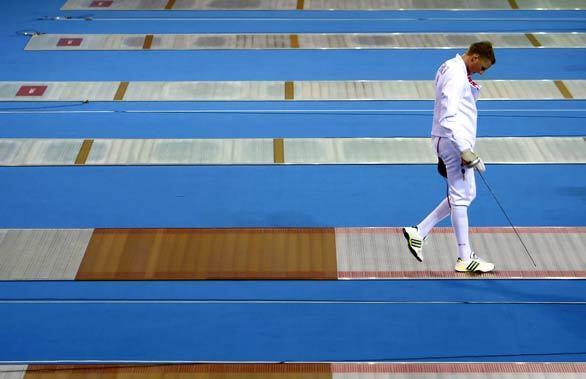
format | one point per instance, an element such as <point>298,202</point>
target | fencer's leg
<point>460,223</point>
<point>438,214</point>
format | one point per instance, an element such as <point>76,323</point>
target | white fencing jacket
<point>454,114</point>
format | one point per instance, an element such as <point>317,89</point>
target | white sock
<point>439,213</point>
<point>460,224</point>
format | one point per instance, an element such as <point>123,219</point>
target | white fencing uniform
<point>454,131</point>
<point>454,126</point>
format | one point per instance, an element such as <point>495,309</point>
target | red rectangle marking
<point>31,91</point>
<point>69,42</point>
<point>100,4</point>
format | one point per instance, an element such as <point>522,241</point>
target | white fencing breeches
<point>461,181</point>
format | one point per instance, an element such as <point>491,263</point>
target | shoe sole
<point>475,271</point>
<point>413,252</point>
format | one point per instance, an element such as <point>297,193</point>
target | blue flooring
<point>276,65</point>
<point>273,196</point>
<point>279,119</point>
<point>545,331</point>
<point>29,16</point>
<point>415,64</point>
<point>265,196</point>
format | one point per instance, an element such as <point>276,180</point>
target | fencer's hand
<point>471,160</point>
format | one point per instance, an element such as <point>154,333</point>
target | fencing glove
<point>471,160</point>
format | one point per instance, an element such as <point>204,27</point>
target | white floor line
<point>287,111</point>
<point>279,302</point>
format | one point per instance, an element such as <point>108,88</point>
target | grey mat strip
<point>510,150</point>
<point>502,150</point>
<point>455,375</point>
<point>65,42</point>
<point>496,370</point>
<point>317,4</point>
<point>382,252</point>
<point>12,372</point>
<point>42,254</point>
<point>279,91</point>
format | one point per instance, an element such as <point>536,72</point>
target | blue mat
<point>445,320</point>
<point>265,196</point>
<point>279,119</point>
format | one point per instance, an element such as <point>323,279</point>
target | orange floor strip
<point>294,41</point>
<point>279,150</point>
<point>563,89</point>
<point>534,41</point>
<point>300,4</point>
<point>122,87</point>
<point>148,42</point>
<point>170,4</point>
<point>289,91</point>
<point>84,152</point>
<point>166,254</point>
<point>207,371</point>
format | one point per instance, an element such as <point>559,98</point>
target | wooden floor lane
<point>207,371</point>
<point>210,371</point>
<point>300,371</point>
<point>281,253</point>
<point>136,254</point>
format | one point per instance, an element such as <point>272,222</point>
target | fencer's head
<point>479,57</point>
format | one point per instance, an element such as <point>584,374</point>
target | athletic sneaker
<point>414,242</point>
<point>474,264</point>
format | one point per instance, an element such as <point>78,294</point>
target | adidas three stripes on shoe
<point>414,242</point>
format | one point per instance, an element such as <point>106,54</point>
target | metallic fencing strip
<point>526,150</point>
<point>496,370</point>
<point>272,90</point>
<point>42,253</point>
<point>577,88</point>
<point>324,4</point>
<point>61,91</point>
<point>16,152</point>
<point>201,91</point>
<point>509,150</point>
<point>567,40</point>
<point>382,252</point>
<point>179,151</point>
<point>302,41</point>
<point>500,150</point>
<point>12,372</point>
